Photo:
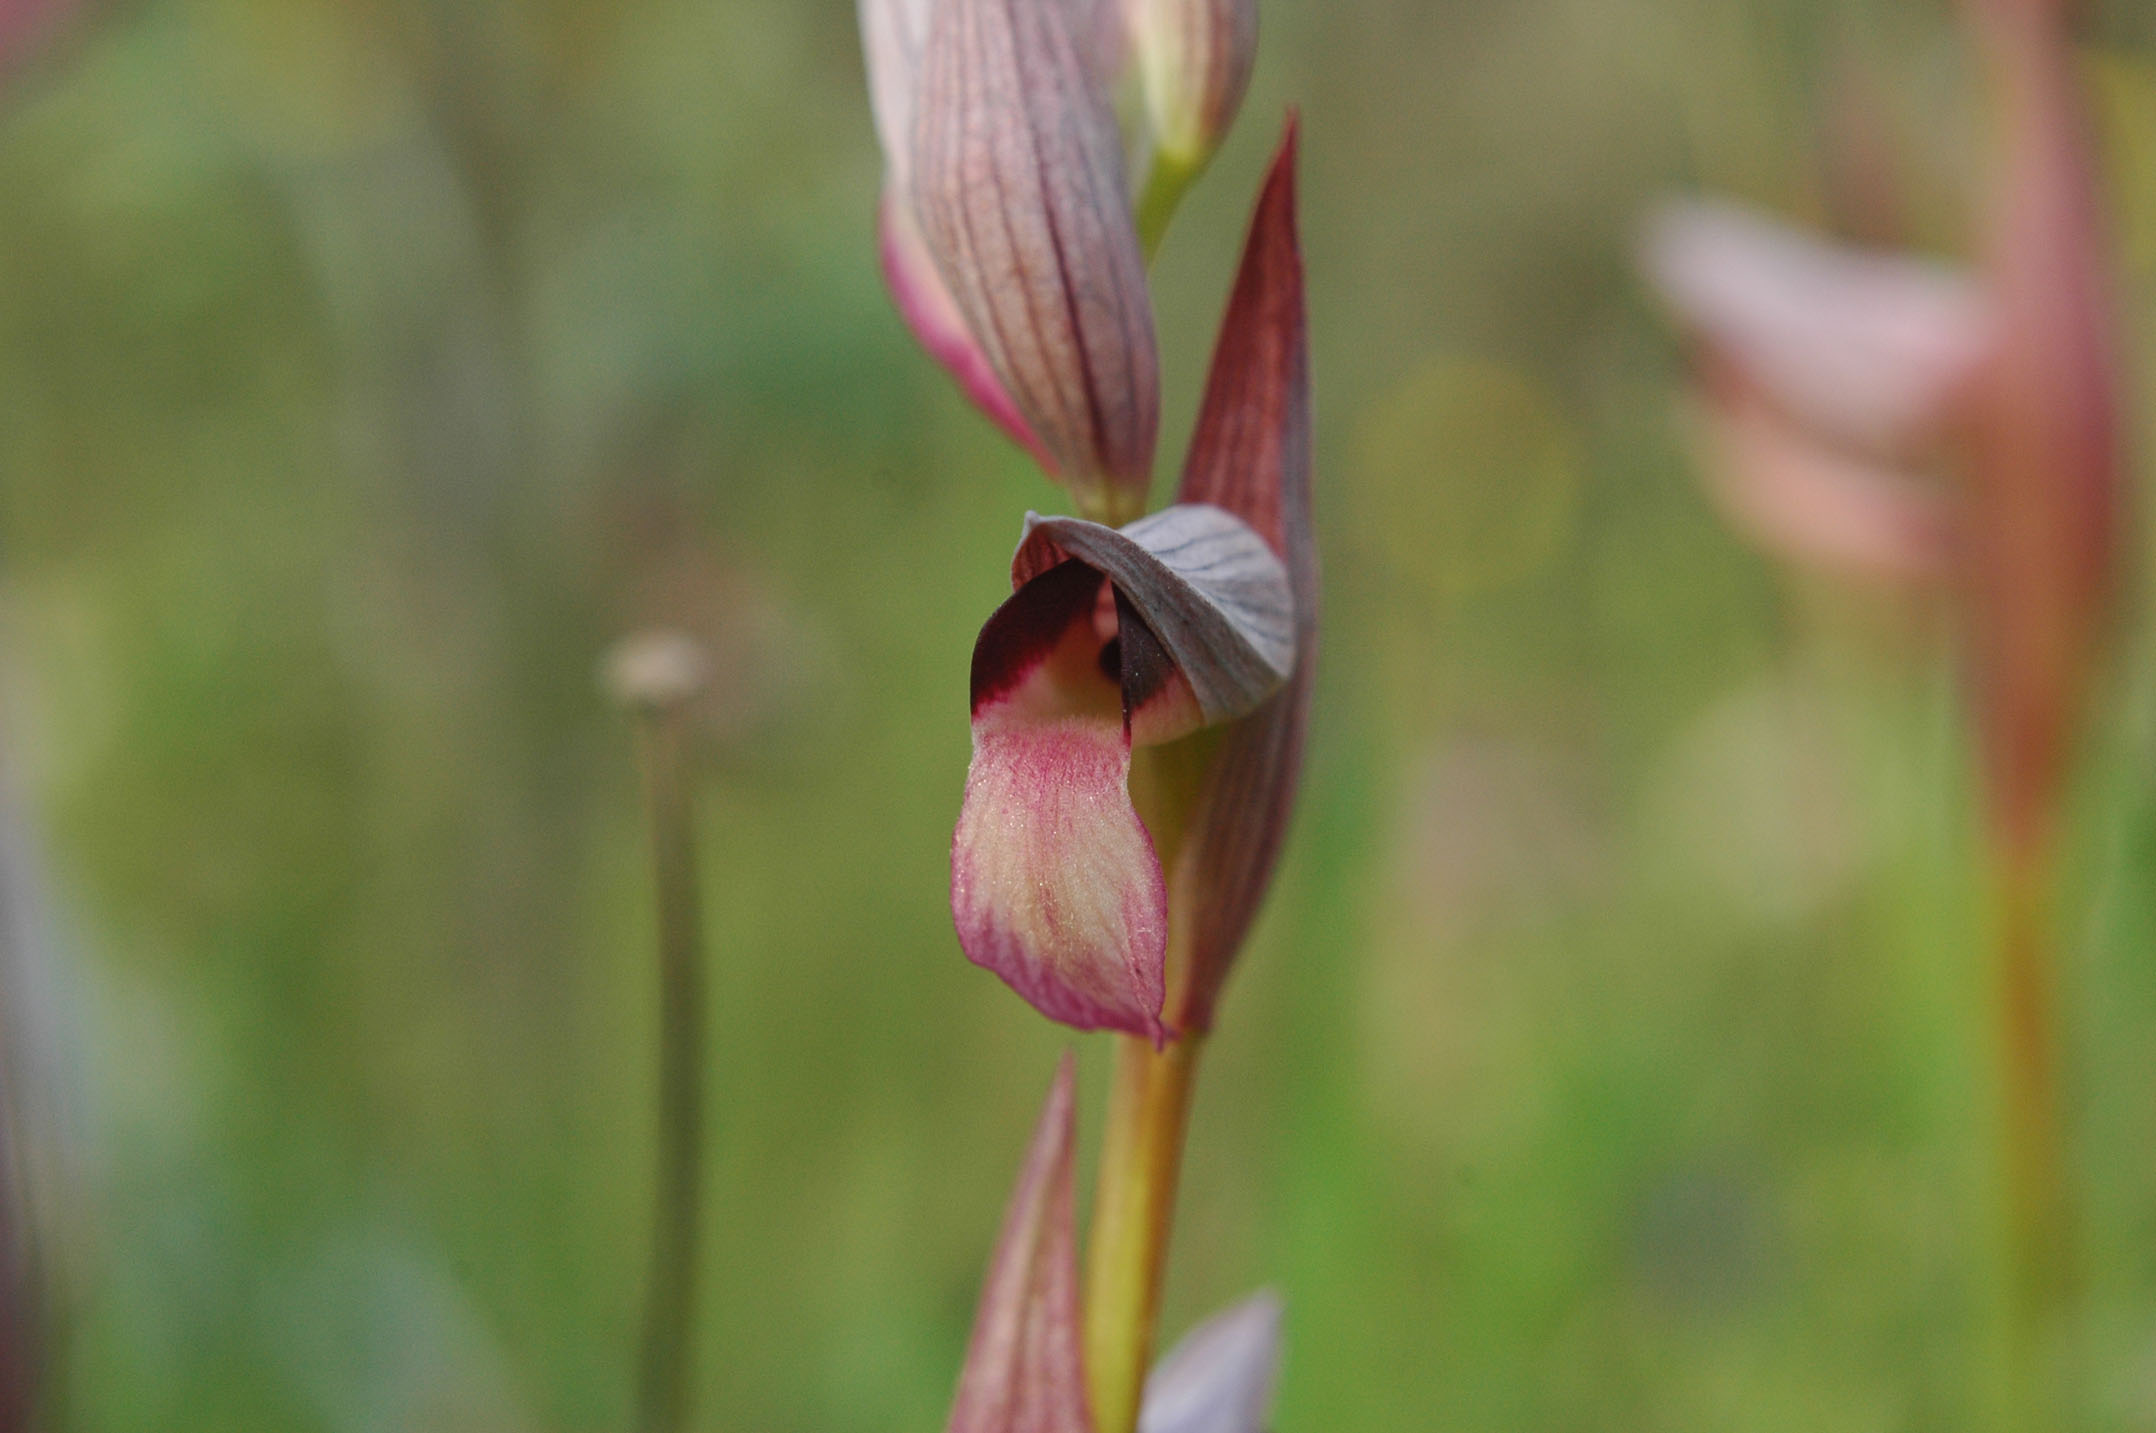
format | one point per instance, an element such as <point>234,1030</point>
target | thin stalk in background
<point>656,676</point>
<point>2037,1204</point>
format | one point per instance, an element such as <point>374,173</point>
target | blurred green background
<point>1610,1055</point>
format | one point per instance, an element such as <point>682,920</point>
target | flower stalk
<point>656,676</point>
<point>1133,1214</point>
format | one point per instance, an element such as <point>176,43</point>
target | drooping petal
<point>1250,455</point>
<point>1873,349</point>
<point>930,312</point>
<point>1204,581</point>
<point>1819,505</point>
<point>1219,1379</point>
<point>1024,1368</point>
<point>1195,58</point>
<point>1055,884</point>
<point>1018,181</point>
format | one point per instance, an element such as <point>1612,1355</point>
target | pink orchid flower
<point>1201,617</point>
<point>1025,1370</point>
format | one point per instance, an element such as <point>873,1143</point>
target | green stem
<point>1133,1210</point>
<point>669,1313</point>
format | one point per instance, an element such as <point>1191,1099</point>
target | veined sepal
<point>1024,1370</point>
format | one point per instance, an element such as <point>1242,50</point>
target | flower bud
<point>1018,181</point>
<point>894,34</point>
<point>1194,60</point>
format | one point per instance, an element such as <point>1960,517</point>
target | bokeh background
<point>1611,1055</point>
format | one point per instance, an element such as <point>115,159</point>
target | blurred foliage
<point>1610,1054</point>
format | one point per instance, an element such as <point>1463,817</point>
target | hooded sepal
<point>1220,1378</point>
<point>1206,583</point>
<point>1024,1368</point>
<point>1018,181</point>
<point>1250,455</point>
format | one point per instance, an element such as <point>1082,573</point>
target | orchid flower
<point>1007,234</point>
<point>1199,618</point>
<point>1024,1370</point>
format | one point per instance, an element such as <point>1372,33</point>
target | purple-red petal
<point>1250,454</point>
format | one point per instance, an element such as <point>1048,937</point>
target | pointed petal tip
<point>1250,454</point>
<point>1024,1365</point>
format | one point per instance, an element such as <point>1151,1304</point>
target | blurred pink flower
<point>1832,382</point>
<point>1842,388</point>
